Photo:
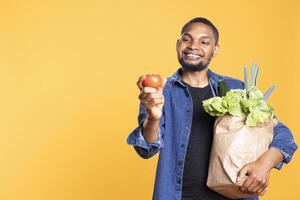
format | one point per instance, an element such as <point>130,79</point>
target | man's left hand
<point>257,180</point>
<point>258,172</point>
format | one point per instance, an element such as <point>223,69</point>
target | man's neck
<point>195,79</point>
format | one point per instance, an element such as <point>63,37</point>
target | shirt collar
<point>212,76</point>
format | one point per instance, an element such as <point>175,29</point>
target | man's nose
<point>194,45</point>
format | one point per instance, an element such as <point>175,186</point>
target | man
<point>172,121</point>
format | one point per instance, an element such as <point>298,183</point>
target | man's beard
<point>193,68</point>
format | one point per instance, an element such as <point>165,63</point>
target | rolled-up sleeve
<point>138,141</point>
<point>284,142</point>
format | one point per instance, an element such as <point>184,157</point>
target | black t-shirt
<point>198,150</point>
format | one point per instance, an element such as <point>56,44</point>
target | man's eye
<point>185,39</point>
<point>205,42</point>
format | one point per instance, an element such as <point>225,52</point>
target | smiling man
<point>173,122</point>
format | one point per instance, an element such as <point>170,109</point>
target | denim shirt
<point>173,136</point>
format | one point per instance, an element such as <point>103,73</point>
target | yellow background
<point>68,96</point>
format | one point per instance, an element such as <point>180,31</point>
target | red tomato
<point>153,80</point>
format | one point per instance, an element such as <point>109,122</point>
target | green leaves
<point>232,99</point>
<point>255,93</point>
<point>214,106</point>
<point>238,102</point>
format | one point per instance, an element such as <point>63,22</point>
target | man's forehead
<point>199,29</point>
<point>200,36</point>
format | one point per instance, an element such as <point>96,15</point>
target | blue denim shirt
<point>173,136</point>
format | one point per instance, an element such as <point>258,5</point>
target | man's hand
<point>257,180</point>
<point>258,172</point>
<point>152,99</point>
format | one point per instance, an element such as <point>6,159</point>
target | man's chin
<point>193,68</point>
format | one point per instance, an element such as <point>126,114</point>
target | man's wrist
<point>152,120</point>
<point>267,162</point>
<point>272,157</point>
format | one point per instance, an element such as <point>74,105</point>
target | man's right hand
<point>152,99</point>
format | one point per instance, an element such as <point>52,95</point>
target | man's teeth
<point>193,55</point>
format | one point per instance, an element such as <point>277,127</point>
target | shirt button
<point>182,145</point>
<point>178,181</point>
<point>180,163</point>
<point>188,110</point>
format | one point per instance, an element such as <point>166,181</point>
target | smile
<point>191,56</point>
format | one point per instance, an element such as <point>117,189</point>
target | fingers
<point>151,99</point>
<point>246,184</point>
<point>259,186</point>
<point>257,177</point>
<point>249,183</point>
<point>148,96</point>
<point>243,173</point>
<point>139,81</point>
<point>262,192</point>
<point>254,185</point>
<point>149,90</point>
<point>153,102</point>
<point>160,89</point>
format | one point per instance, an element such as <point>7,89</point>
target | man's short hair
<point>203,21</point>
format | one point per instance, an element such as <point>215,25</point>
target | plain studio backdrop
<point>68,96</point>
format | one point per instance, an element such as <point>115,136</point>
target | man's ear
<point>216,50</point>
<point>177,43</point>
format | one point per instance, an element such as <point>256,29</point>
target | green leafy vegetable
<point>214,106</point>
<point>238,102</point>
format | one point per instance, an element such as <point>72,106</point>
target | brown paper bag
<point>235,144</point>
